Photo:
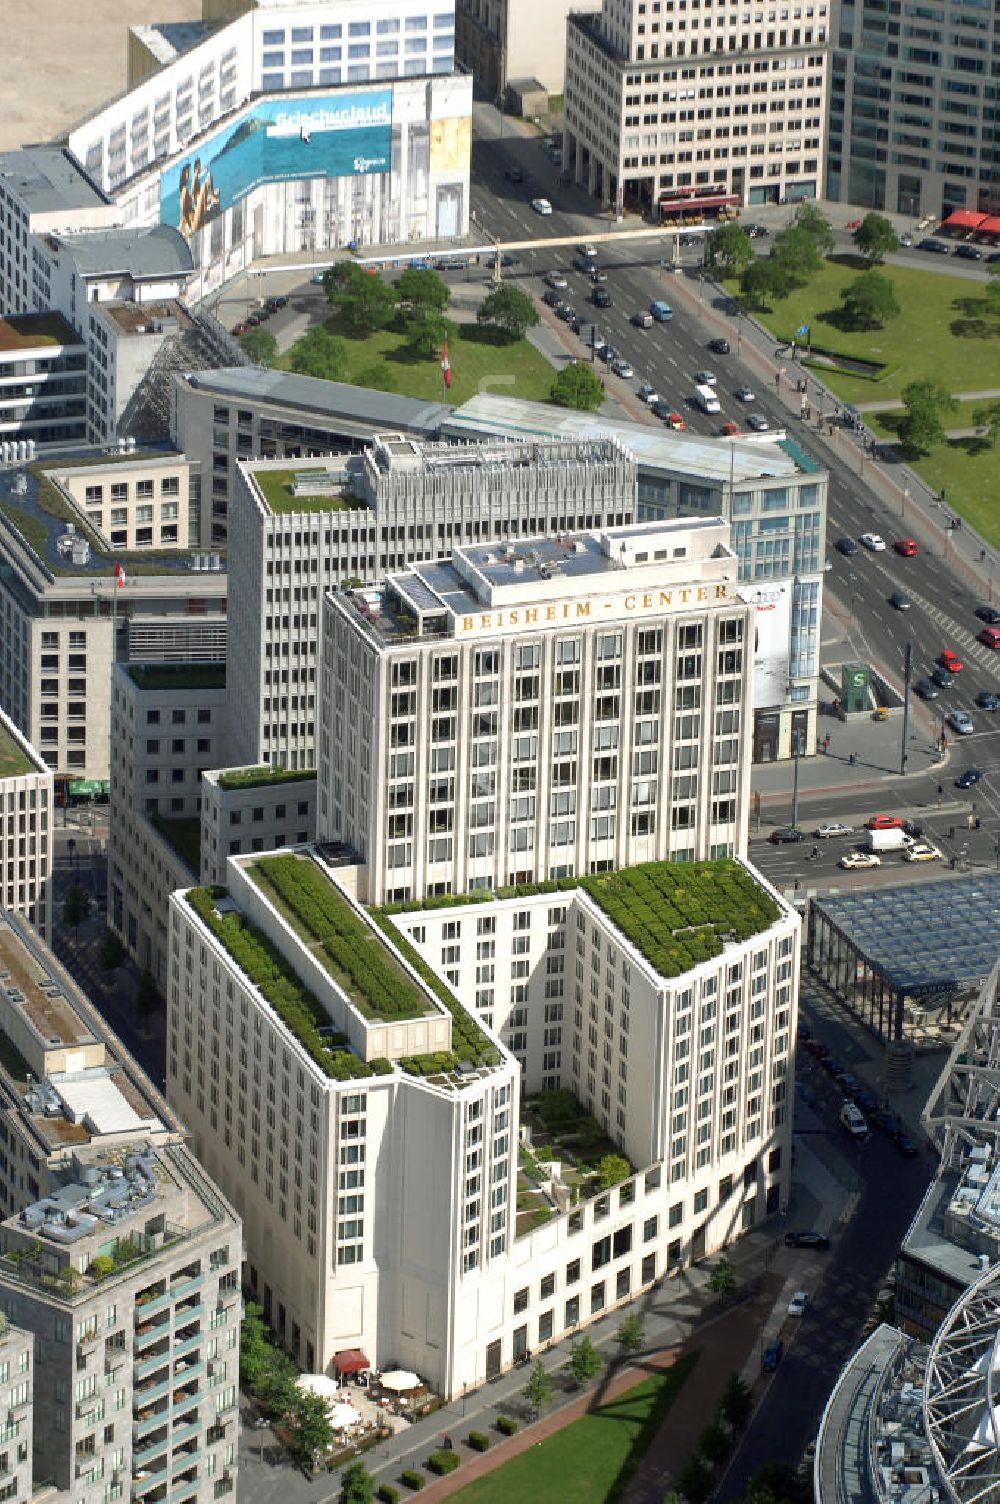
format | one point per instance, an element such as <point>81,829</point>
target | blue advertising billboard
<point>294,136</point>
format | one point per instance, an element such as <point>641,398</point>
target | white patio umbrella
<point>342,1416</point>
<point>400,1380</point>
<point>319,1383</point>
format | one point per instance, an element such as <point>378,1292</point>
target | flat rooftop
<point>33,992</point>
<point>167,40</point>
<point>335,404</point>
<point>927,1240</point>
<point>399,457</point>
<point>310,486</point>
<point>948,937</point>
<point>160,251</point>
<point>176,676</point>
<point>47,179</point>
<point>33,331</point>
<point>715,460</point>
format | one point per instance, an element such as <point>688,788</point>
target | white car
<point>959,721</point>
<point>797,1304</point>
<point>857,860</point>
<point>834,828</point>
<point>648,394</point>
<point>622,368</point>
<point>743,394</point>
<point>874,541</point>
<point>556,280</point>
<point>541,206</point>
<point>921,852</point>
<point>705,378</point>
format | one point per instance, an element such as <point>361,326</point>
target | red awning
<point>990,225</point>
<point>350,1360</point>
<point>963,219</point>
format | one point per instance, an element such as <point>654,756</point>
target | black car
<point>508,260</point>
<point>988,614</point>
<point>787,836</point>
<point>719,346</point>
<point>941,678</point>
<point>600,297</point>
<point>936,247</point>
<point>883,1120</point>
<point>513,175</point>
<point>968,779</point>
<point>274,305</point>
<point>900,600</point>
<point>552,299</point>
<point>905,1145</point>
<point>806,1240</point>
<point>913,828</point>
<point>846,546</point>
<point>969,252</point>
<point>925,689</point>
<point>566,312</point>
<point>661,409</point>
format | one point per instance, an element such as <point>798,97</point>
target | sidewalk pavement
<point>897,403</point>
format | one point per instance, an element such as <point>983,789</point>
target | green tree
<point>784,1484</point>
<point>988,417</point>
<point>357,1485</point>
<point>612,1170</point>
<point>763,281</point>
<point>319,353</point>
<point>147,996</point>
<point>875,238</point>
<point>809,217</point>
<point>76,907</point>
<point>309,1430</point>
<point>695,1479</point>
<point>715,1442</point>
<point>363,301</point>
<point>255,1348</point>
<point>585,1362</point>
<point>730,247</point>
<point>379,376</point>
<point>923,427</point>
<point>426,333</point>
<point>736,1402</point>
<point>508,309</point>
<point>631,1335</point>
<point>577,385</point>
<point>538,1390</point>
<point>796,251</point>
<point>276,1389</point>
<point>423,292</point>
<point>722,1280</point>
<point>261,346</point>
<point>111,952</point>
<point>870,301</point>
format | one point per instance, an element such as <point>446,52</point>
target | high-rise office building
<point>558,705</point>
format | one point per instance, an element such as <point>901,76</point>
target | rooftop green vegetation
<point>469,1044</point>
<point>276,488</point>
<point>25,330</point>
<point>183,835</point>
<point>177,675</point>
<point>677,914</point>
<point>339,939</point>
<point>297,1007</point>
<point>14,761</point>
<point>261,777</point>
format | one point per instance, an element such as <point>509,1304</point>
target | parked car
<point>905,1144</point>
<point>987,700</point>
<point>846,546</point>
<point>806,1240</point>
<point>926,688</point>
<point>772,1355</point>
<point>961,722</point>
<point>743,394</point>
<point>552,298</point>
<point>883,1120</point>
<point>874,541</point>
<point>936,247</point>
<point>951,661</point>
<point>853,1120</point>
<point>969,778</point>
<point>969,252</point>
<point>884,822</point>
<point>857,861</point>
<point>865,1099</point>
<point>647,392</point>
<point>719,346</point>
<point>797,1304</point>
<point>906,240</point>
<point>786,836</point>
<point>566,312</point>
<point>622,368</point>
<point>989,614</point>
<point>757,422</point>
<point>833,828</point>
<point>275,304</point>
<point>661,409</point>
<point>907,547</point>
<point>509,259</point>
<point>817,1048</point>
<point>899,600</point>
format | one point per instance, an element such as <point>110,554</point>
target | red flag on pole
<point>119,575</point>
<point>445,363</point>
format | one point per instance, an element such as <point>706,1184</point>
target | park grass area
<point>477,356</point>
<point>592,1460</point>
<point>942,333</point>
<point>964,468</point>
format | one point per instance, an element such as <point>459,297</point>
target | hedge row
<point>443,1462</point>
<point>506,1425</point>
<point>386,1494</point>
<point>468,1040</point>
<point>271,974</point>
<point>380,988</point>
<point>412,1478</point>
<point>478,1441</point>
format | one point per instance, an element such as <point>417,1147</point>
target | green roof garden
<point>27,331</point>
<point>183,835</point>
<point>177,675</point>
<point>676,914</point>
<point>276,488</point>
<point>261,777</point>
<point>14,761</point>
<point>298,1008</point>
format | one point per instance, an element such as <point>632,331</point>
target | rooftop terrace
<point>33,992</point>
<point>14,761</point>
<point>263,776</point>
<point>312,487</point>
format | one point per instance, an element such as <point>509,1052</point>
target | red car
<point>730,430</point>
<point>884,822</point>
<point>906,546</point>
<point>950,661</point>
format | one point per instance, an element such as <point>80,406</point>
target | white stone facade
<point>252,809</point>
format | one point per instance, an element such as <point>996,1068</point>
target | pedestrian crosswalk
<point>972,648</point>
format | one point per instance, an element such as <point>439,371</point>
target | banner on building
<point>772,622</point>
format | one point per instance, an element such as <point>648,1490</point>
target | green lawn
<point>966,469</point>
<point>13,760</point>
<point>591,1460</point>
<point>477,356</point>
<point>276,489</point>
<point>939,334</point>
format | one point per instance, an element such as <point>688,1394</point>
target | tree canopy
<point>261,346</point>
<point>797,251</point>
<point>764,280</point>
<point>320,353</point>
<point>923,426</point>
<point>870,301</point>
<point>875,238</point>
<point>508,309</point>
<point>730,246</point>
<point>578,385</point>
<point>809,217</point>
<point>585,1362</point>
<point>363,301</point>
